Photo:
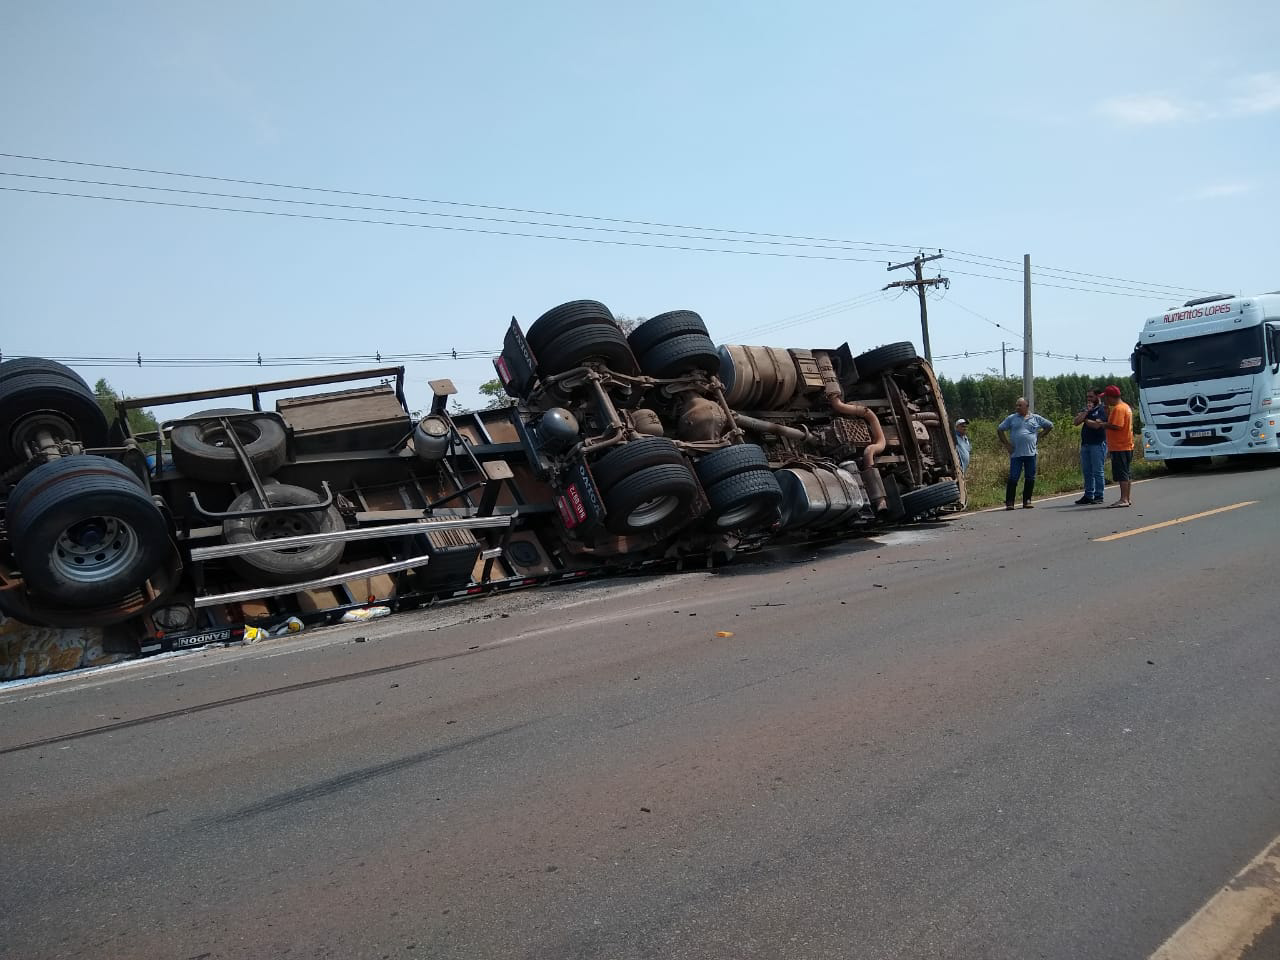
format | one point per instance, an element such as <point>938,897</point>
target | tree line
<point>992,397</point>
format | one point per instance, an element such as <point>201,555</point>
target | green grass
<point>1057,466</point>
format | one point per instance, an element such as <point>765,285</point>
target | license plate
<point>1193,434</point>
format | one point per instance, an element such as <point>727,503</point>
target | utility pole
<point>920,283</point>
<point>1028,355</point>
<point>1004,362</point>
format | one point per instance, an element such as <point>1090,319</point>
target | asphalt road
<point>996,737</point>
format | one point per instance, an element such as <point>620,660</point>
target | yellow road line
<point>1225,926</point>
<point>1170,523</point>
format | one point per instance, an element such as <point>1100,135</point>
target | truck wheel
<point>648,497</point>
<point>599,342</point>
<point>203,452</point>
<point>922,501</point>
<point>730,461</point>
<point>671,358</point>
<point>11,368</point>
<point>630,457</point>
<point>750,499</point>
<point>560,320</point>
<point>663,327</point>
<point>37,400</point>
<point>277,567</point>
<point>84,531</point>
<point>885,358</point>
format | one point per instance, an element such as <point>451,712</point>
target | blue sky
<point>1131,140</point>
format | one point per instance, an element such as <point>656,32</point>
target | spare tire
<point>663,327</point>
<point>918,502</point>
<point>599,342</point>
<point>84,531</point>
<point>203,452</point>
<point>32,400</point>
<point>560,320</point>
<point>12,368</point>
<point>679,355</point>
<point>885,358</point>
<point>277,567</point>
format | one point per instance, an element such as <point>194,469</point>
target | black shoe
<point>1085,500</point>
<point>1008,506</point>
<point>1026,505</point>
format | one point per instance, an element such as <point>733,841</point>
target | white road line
<point>1225,926</point>
<point>1060,496</point>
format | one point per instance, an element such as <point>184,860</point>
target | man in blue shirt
<point>964,446</point>
<point>1092,421</point>
<point>1020,432</point>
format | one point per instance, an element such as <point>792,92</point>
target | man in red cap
<point>1119,441</point>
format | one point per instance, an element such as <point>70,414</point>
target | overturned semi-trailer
<point>617,450</point>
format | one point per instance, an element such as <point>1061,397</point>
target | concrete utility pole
<point>1004,362</point>
<point>920,283</point>
<point>1028,355</point>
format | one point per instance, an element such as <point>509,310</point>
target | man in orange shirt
<point>1119,441</point>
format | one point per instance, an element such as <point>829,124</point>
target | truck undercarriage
<point>617,451</point>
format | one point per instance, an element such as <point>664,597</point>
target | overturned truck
<point>617,451</point>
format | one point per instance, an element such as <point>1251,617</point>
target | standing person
<point>964,446</point>
<point>1026,429</point>
<point>1119,441</point>
<point>1092,421</point>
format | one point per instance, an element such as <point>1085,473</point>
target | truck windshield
<point>1196,358</point>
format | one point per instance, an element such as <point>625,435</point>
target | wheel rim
<point>741,514</point>
<point>652,511</point>
<point>215,434</point>
<point>275,526</point>
<point>95,549</point>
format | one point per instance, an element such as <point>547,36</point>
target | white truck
<point>1208,376</point>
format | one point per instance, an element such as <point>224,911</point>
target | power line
<point>1000,326</point>
<point>868,245</point>
<point>817,313</point>
<point>454,203</point>
<point>140,360</point>
<point>1058,286</point>
<point>424,213</point>
<point>441,226</point>
<point>1078,273</point>
<point>1144,288</point>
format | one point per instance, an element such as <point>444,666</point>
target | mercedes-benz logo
<point>1199,403</point>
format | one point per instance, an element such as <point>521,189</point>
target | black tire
<point>921,501</point>
<point>746,500</point>
<point>679,355</point>
<point>560,320</point>
<point>47,399</point>
<point>84,531</point>
<point>885,358</point>
<point>202,452</point>
<point>12,368</point>
<point>730,461</point>
<point>278,567</point>
<point>650,497</point>
<point>630,457</point>
<point>605,344</point>
<point>663,327</point>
